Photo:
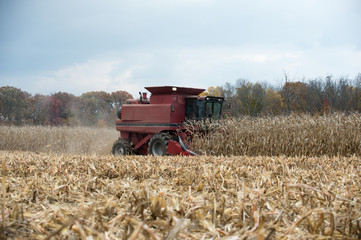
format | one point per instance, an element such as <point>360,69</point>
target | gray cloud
<point>184,42</point>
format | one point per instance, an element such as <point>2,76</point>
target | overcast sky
<point>47,46</point>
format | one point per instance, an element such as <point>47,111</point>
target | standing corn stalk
<point>3,199</point>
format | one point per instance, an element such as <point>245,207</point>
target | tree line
<point>90,109</point>
<point>315,97</point>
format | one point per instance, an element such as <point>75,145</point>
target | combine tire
<point>121,147</point>
<point>158,144</point>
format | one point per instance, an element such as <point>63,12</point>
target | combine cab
<point>155,126</point>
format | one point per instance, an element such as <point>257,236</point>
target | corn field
<point>56,196</point>
<point>74,140</point>
<point>290,177</point>
<point>294,135</point>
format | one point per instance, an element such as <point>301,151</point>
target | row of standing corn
<point>74,140</point>
<point>294,135</point>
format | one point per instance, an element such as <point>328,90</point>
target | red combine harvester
<point>155,126</point>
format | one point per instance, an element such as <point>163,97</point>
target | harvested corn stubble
<point>58,196</point>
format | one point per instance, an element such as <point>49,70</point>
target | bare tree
<point>290,92</point>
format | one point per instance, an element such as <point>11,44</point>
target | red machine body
<point>155,126</point>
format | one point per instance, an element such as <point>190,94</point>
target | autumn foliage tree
<point>214,91</point>
<point>274,103</point>
<point>294,96</point>
<point>14,105</point>
<point>90,109</point>
<point>98,108</point>
<point>103,106</point>
<point>317,96</point>
<point>251,98</point>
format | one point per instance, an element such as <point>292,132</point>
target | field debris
<point>59,196</point>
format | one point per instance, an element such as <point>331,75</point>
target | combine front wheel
<point>158,144</point>
<point>121,147</point>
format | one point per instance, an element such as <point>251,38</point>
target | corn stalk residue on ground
<point>55,196</point>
